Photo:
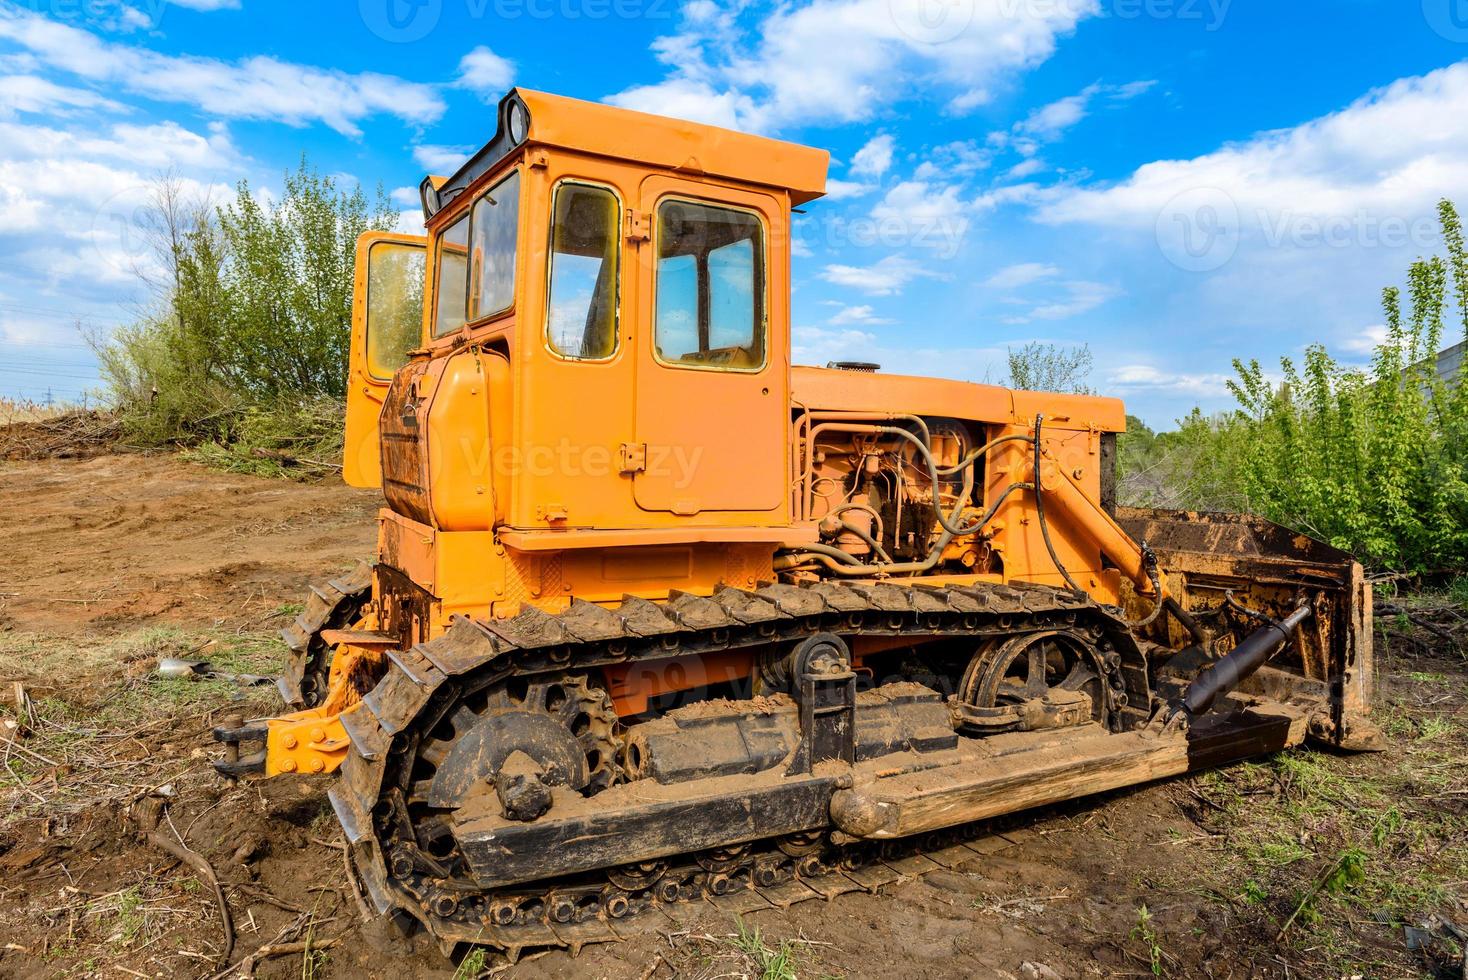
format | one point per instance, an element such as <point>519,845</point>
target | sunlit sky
<point>1173,182</point>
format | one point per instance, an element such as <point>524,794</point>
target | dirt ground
<point>1307,865</point>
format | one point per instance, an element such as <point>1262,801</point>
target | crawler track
<point>410,864</point>
<point>332,605</point>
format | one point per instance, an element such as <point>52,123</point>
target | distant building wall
<point>1450,362</point>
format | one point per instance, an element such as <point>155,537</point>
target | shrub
<point>1371,459</point>
<point>247,345</point>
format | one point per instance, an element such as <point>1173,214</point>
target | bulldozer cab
<point>387,323</point>
<point>629,277</point>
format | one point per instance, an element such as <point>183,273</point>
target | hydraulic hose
<point>1149,560</point>
<point>847,565</point>
<point>934,471</point>
<point>1040,513</point>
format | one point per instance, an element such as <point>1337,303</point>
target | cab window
<point>710,303</point>
<point>394,306</point>
<point>496,223</point>
<point>581,317</point>
<point>453,276</point>
<point>476,259</point>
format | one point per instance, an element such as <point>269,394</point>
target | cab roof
<point>529,118</point>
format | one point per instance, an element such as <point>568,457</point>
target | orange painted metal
<point>518,476</point>
<point>633,686</point>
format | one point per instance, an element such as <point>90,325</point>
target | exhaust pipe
<point>1240,663</point>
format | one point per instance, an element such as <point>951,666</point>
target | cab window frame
<point>618,253</point>
<point>466,214</point>
<point>368,361</point>
<point>761,275</point>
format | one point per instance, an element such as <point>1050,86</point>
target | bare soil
<point>114,561</point>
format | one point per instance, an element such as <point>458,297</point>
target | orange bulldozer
<point>657,616</point>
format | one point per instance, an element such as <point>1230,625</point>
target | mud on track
<point>113,561</point>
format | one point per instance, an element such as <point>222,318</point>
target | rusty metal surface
<point>1218,564</point>
<point>404,440</point>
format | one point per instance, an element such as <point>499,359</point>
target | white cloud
<point>884,278</point>
<point>28,93</point>
<point>1370,169</point>
<point>81,235</point>
<point>410,222</point>
<point>840,190</point>
<point>873,159</point>
<point>1025,168</point>
<point>134,19</point>
<point>154,147</point>
<point>686,98</point>
<point>896,354</point>
<point>1082,297</point>
<point>1145,378</point>
<point>966,102</point>
<point>950,160</point>
<point>442,160</point>
<point>207,6</point>
<point>258,87</point>
<point>1048,123</point>
<point>1077,297</point>
<point>405,196</point>
<point>1366,341</point>
<point>1021,274</point>
<point>853,56</point>
<point>485,73</point>
<point>925,215</point>
<point>856,314</point>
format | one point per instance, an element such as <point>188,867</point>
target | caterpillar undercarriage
<point>657,617</point>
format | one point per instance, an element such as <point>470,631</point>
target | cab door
<point>387,323</point>
<point>712,412</point>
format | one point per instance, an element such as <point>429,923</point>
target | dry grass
<point>1339,858</point>
<point>13,411</point>
<point>84,744</point>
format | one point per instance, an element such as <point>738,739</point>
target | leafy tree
<point>1372,459</point>
<point>1049,367</point>
<point>250,321</point>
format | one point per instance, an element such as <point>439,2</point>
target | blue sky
<point>1173,182</point>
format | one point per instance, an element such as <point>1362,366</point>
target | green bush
<point>247,347</point>
<point>1373,460</point>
